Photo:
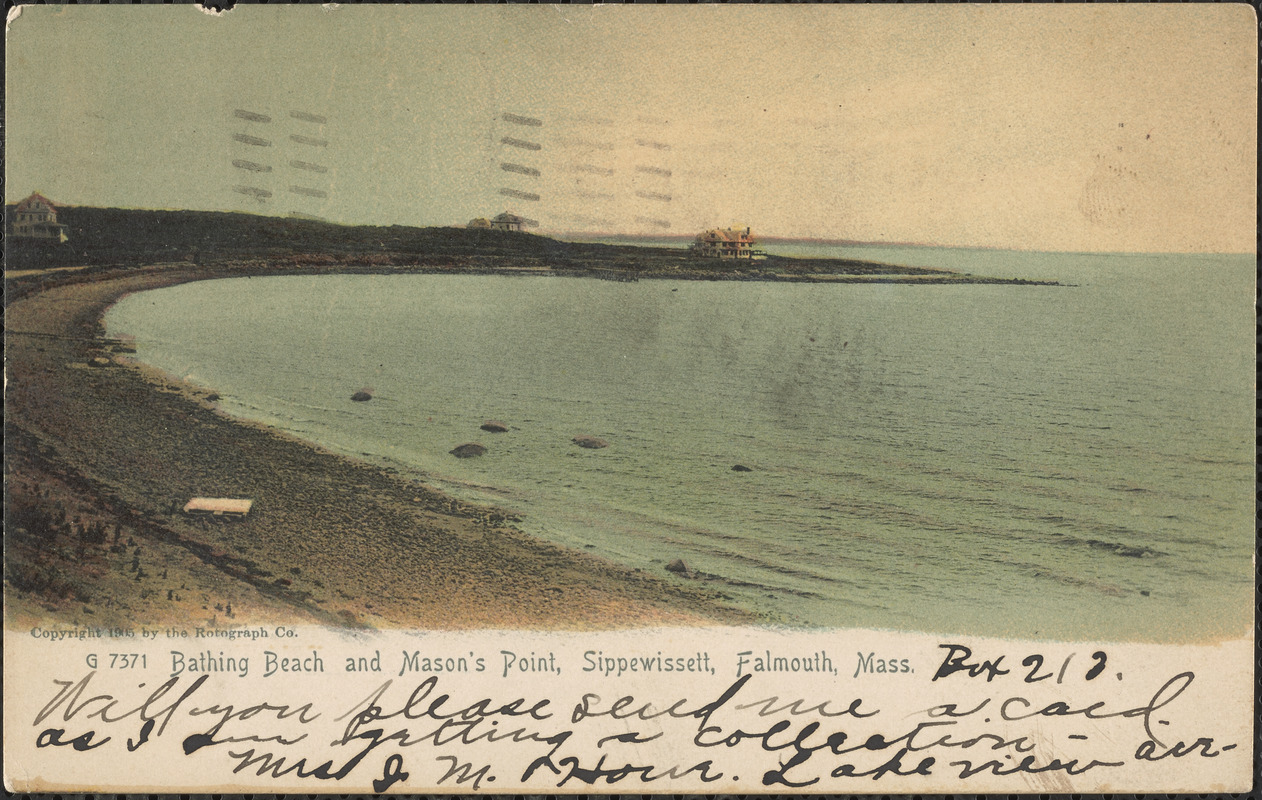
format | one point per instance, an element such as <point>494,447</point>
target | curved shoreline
<point>113,450</point>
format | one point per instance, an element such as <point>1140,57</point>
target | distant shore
<point>252,244</point>
<point>101,454</point>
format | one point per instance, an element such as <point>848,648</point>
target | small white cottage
<point>508,222</point>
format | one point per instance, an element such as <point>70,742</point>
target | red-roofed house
<point>36,218</point>
<point>725,243</point>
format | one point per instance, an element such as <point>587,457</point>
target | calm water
<point>1065,462</point>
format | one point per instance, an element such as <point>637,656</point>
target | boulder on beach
<point>469,450</point>
<point>590,442</point>
<point>677,566</point>
<point>361,396</point>
<point>740,468</point>
<point>494,426</point>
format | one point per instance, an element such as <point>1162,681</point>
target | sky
<point>1112,127</point>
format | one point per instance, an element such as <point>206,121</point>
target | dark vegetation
<point>56,544</point>
<point>114,237</point>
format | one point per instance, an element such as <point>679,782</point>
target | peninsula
<point>236,243</point>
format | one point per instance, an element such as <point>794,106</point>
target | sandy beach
<point>103,453</point>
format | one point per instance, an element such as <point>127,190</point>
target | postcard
<point>615,399</point>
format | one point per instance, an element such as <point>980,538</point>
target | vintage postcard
<point>546,399</point>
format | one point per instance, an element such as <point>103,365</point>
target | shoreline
<point>24,282</point>
<point>232,574</point>
<point>103,452</point>
<point>121,238</point>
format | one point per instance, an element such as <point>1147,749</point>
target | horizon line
<point>816,240</point>
<point>927,245</point>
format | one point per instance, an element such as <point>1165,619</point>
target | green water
<point>1055,462</point>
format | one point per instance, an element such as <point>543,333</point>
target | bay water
<point>1069,462</point>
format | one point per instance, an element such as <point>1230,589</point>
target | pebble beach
<point>102,454</point>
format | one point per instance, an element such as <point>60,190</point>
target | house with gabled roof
<point>725,243</point>
<point>36,218</point>
<point>508,222</point>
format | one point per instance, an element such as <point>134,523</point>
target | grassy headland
<point>106,237</point>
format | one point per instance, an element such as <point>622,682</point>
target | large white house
<point>36,218</point>
<point>725,243</point>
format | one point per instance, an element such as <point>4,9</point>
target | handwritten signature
<point>587,741</point>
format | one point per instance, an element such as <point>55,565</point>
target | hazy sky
<point>1111,127</point>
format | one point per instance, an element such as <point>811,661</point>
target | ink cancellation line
<point>517,119</point>
<point>307,117</point>
<point>241,163</point>
<point>662,171</point>
<point>520,143</point>
<point>308,166</point>
<point>308,140</point>
<point>256,141</point>
<point>652,144</point>
<point>592,169</point>
<point>520,169</point>
<point>252,191</point>
<point>252,116</point>
<point>262,194</point>
<point>657,223</point>
<point>520,195</point>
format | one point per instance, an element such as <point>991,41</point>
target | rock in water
<point>677,566</point>
<point>741,468</point>
<point>590,442</point>
<point>494,426</point>
<point>469,450</point>
<point>361,396</point>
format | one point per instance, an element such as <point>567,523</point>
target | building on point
<point>36,218</point>
<point>508,222</point>
<point>726,243</point>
